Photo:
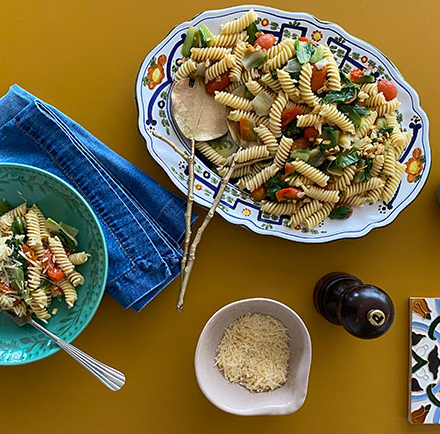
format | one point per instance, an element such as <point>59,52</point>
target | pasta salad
<point>316,142</point>
<point>38,259</point>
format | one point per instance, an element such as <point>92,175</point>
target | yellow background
<point>82,56</point>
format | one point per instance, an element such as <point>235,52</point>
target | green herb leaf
<point>345,94</point>
<point>273,186</point>
<point>384,130</point>
<point>347,158</point>
<point>341,212</point>
<point>292,131</point>
<point>304,51</point>
<point>344,78</point>
<point>252,31</point>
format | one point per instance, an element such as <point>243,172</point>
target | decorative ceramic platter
<point>153,85</point>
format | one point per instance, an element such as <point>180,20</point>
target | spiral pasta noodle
<point>309,120</point>
<point>267,138</point>
<point>362,187</point>
<point>321,194</point>
<point>261,177</point>
<point>398,140</point>
<point>211,154</point>
<point>389,165</point>
<point>377,165</point>
<point>33,229</point>
<point>368,123</point>
<point>305,212</point>
<point>33,277</point>
<point>234,101</point>
<point>369,88</point>
<point>7,218</point>
<point>238,52</point>
<point>387,108</point>
<point>219,67</point>
<point>299,181</point>
<point>238,24</point>
<point>39,297</point>
<point>75,278</point>
<point>69,291</point>
<point>278,208</point>
<point>393,182</point>
<point>332,114</point>
<point>318,216</point>
<point>229,40</point>
<point>60,257</point>
<point>283,56</point>
<point>44,231</point>
<point>334,79</point>
<point>211,53</point>
<point>357,200</point>
<point>254,87</point>
<point>288,85</point>
<point>237,115</point>
<point>186,69</point>
<point>311,172</point>
<point>375,100</point>
<point>373,196</point>
<point>270,82</point>
<point>283,152</point>
<point>252,153</point>
<point>79,258</point>
<point>305,86</point>
<point>275,114</point>
<point>276,48</point>
<point>40,312</point>
<point>345,179</point>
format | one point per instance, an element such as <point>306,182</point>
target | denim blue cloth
<point>142,222</point>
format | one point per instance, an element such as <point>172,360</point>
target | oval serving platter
<point>153,86</point>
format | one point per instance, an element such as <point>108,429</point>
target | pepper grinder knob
<point>365,311</point>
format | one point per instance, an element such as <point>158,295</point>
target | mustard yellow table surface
<point>82,56</point>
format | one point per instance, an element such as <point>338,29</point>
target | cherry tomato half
<point>301,143</point>
<point>289,193</point>
<point>259,193</point>
<point>388,89</point>
<point>54,272</point>
<point>311,132</point>
<point>218,84</point>
<point>289,115</point>
<point>265,41</point>
<point>318,78</point>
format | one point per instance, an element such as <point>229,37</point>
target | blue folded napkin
<point>143,223</point>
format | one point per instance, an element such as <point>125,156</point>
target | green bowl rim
<point>55,349</point>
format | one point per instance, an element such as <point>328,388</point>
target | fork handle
<point>110,377</point>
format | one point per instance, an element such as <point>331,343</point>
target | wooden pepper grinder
<point>365,311</point>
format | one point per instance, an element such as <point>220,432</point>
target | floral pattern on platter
<point>424,361</point>
<point>155,73</point>
<point>414,166</point>
<point>350,52</point>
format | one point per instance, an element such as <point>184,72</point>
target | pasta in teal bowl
<point>53,261</point>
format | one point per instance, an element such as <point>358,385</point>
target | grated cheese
<point>254,352</point>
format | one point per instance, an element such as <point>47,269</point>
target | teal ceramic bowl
<point>58,200</point>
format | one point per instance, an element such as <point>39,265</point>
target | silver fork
<point>110,377</point>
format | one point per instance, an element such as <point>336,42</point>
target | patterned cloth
<point>142,222</point>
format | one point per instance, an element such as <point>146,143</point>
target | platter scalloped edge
<point>152,88</point>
